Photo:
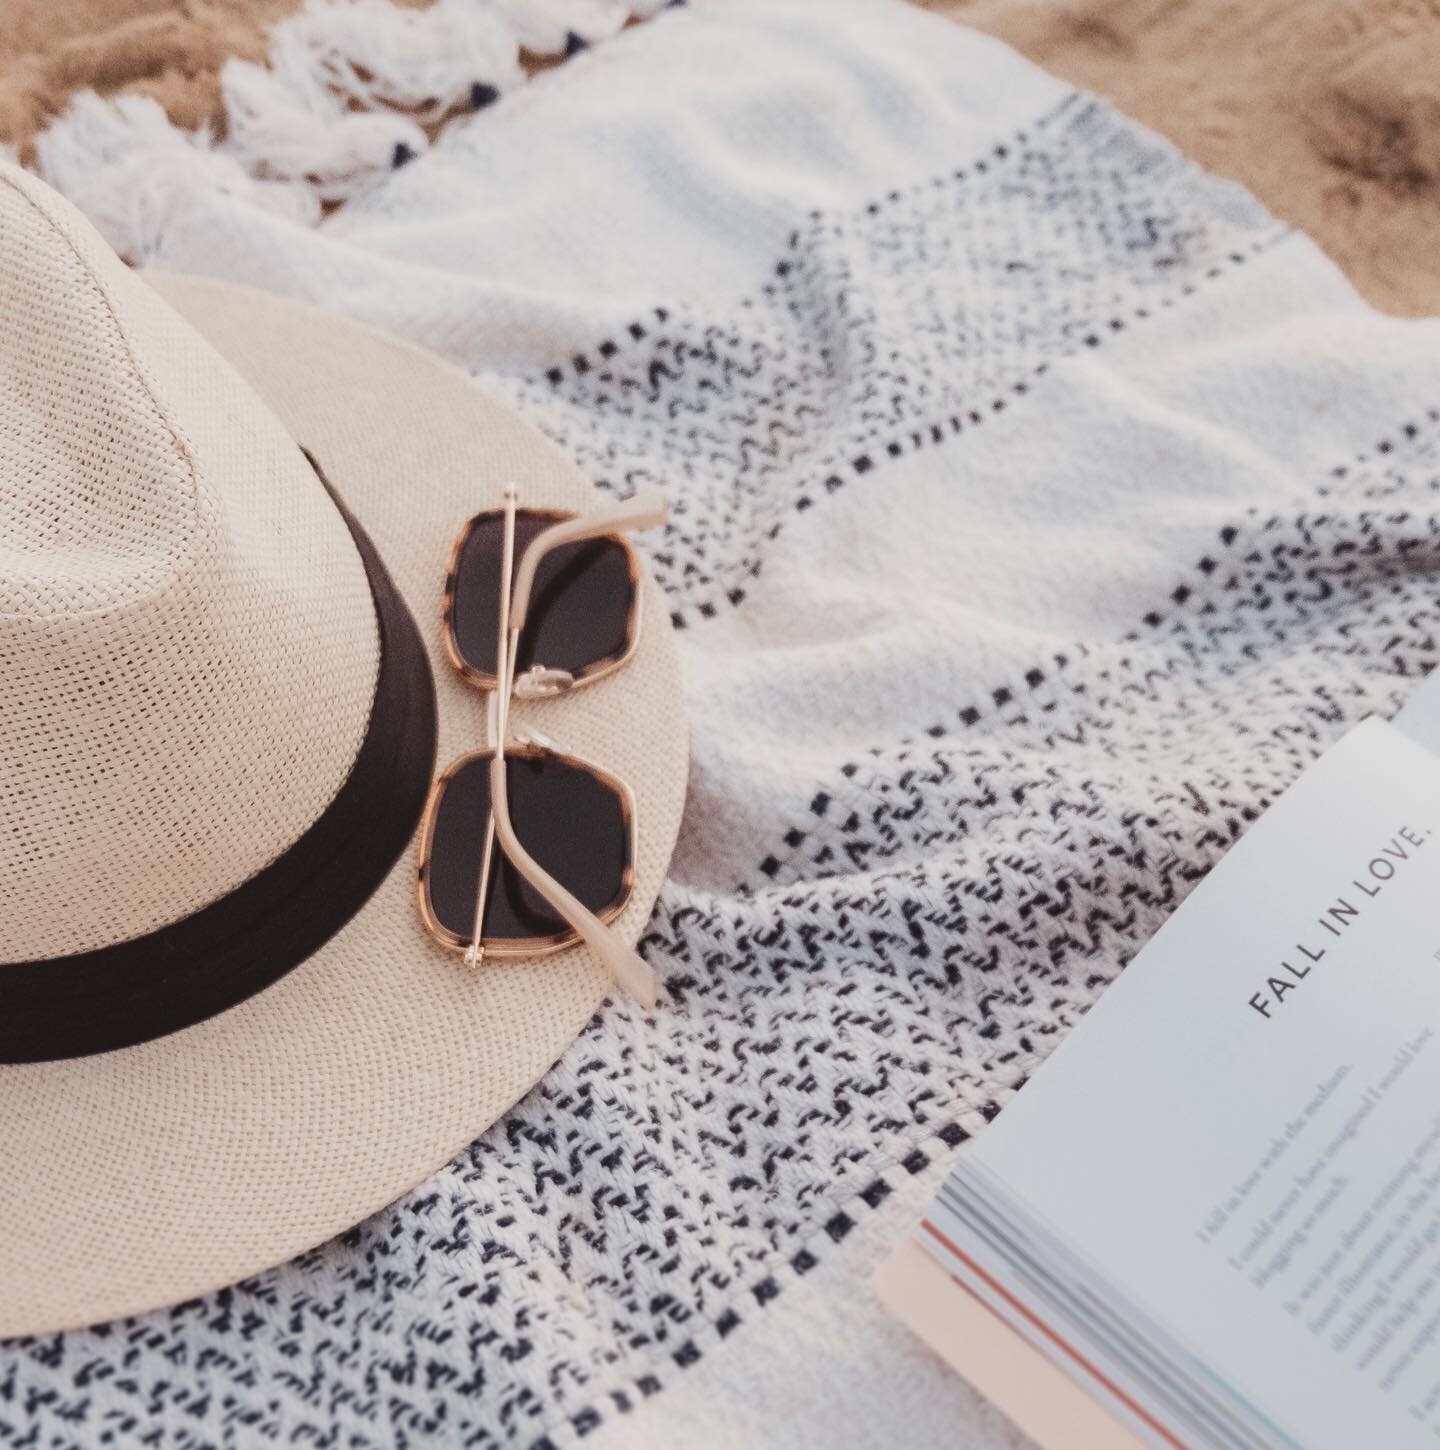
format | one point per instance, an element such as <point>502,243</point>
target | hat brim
<point>141,1177</point>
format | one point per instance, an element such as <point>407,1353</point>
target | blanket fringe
<point>351,88</point>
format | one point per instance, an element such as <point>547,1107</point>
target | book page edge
<point>1044,1402</point>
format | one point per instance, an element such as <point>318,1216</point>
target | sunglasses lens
<point>571,820</point>
<point>580,613</point>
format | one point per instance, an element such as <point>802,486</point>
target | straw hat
<point>218,729</point>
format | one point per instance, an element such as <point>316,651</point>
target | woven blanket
<point>1040,509</point>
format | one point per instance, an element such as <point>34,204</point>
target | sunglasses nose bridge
<point>538,741</point>
<point>540,683</point>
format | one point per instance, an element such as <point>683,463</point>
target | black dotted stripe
<point>1073,107</point>
<point>608,348</point>
<point>1008,694</point>
<point>927,436</point>
<point>1193,591</point>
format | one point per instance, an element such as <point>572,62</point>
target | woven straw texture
<point>186,636</point>
<point>189,650</point>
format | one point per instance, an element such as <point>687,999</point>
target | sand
<point>169,49</point>
<point>1328,110</point>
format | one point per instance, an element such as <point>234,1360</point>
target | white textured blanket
<point>1041,508</point>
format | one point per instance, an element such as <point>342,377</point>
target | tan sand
<point>169,49</point>
<point>1329,110</point>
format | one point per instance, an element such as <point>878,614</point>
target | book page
<point>1224,1187</point>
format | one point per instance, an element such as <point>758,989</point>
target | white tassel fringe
<point>130,170</point>
<point>426,62</point>
<point>347,91</point>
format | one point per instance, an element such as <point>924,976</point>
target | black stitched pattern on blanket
<point>886,330</point>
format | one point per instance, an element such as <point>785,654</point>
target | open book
<point>1216,1208</point>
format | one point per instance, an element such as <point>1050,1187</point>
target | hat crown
<point>98,505</point>
<point>187,636</point>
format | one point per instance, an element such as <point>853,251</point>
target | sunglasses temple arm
<point>475,952</point>
<point>646,510</point>
<point>627,967</point>
<point>495,727</point>
<point>623,964</point>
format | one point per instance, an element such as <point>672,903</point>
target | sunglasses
<point>525,850</point>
